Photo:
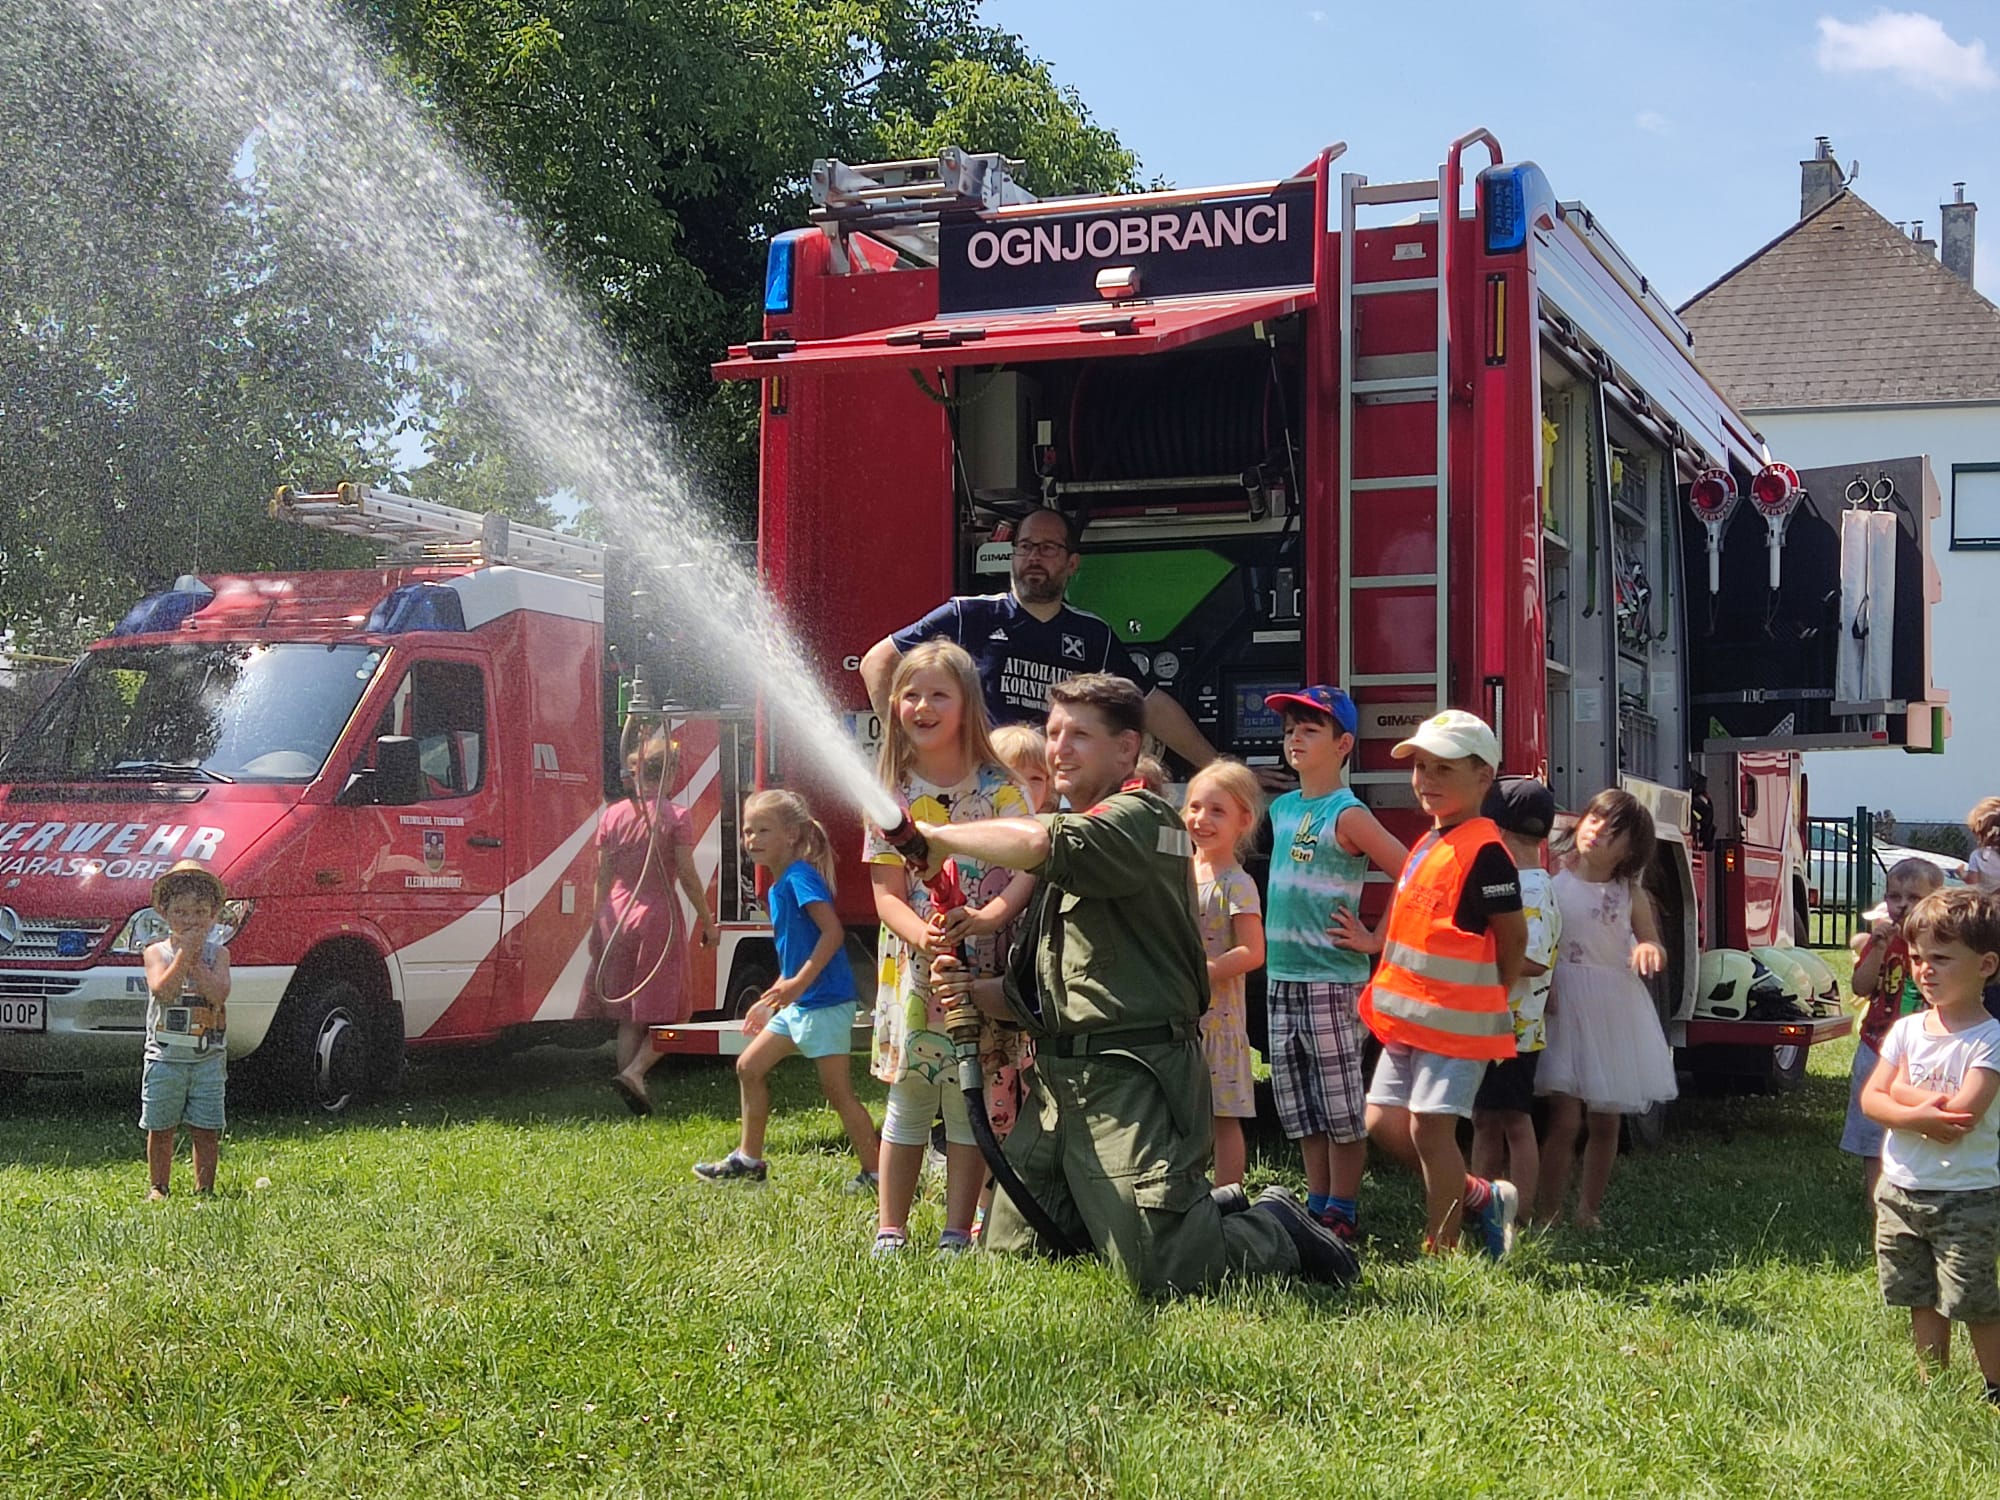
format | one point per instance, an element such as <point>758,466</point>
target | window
<point>229,712</point>
<point>442,705</point>
<point>1975,507</point>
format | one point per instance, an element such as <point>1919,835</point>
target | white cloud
<point>1653,121</point>
<point>1913,47</point>
<point>1317,17</point>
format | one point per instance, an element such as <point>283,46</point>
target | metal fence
<point>1843,877</point>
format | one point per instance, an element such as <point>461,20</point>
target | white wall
<point>1965,625</point>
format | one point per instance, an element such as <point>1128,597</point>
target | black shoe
<point>1323,1255</point>
<point>1230,1199</point>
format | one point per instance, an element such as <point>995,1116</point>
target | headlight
<point>146,927</point>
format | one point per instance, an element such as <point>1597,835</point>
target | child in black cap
<point>1503,1125</point>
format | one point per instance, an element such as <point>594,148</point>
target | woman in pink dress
<point>638,953</point>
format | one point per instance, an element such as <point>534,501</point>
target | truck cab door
<point>433,872</point>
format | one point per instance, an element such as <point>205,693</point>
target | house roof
<point>1844,309</point>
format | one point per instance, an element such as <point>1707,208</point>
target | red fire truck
<point>397,772</point>
<point>1310,437</point>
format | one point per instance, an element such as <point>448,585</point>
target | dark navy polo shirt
<point>1020,657</point>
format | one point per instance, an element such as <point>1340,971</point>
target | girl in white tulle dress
<point>1607,1056</point>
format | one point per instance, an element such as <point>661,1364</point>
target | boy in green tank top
<point>1322,841</point>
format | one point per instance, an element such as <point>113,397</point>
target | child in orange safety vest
<point>1452,945</point>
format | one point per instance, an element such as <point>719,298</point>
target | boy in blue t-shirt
<point>1322,841</point>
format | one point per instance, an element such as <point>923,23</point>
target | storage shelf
<point>1554,542</point>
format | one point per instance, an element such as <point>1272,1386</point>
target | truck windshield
<point>230,712</point>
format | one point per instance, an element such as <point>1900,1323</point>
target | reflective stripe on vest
<point>1438,988</point>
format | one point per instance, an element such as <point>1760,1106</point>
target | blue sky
<point>1681,124</point>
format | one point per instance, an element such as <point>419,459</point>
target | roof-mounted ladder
<point>900,202</point>
<point>1367,383</point>
<point>427,532</point>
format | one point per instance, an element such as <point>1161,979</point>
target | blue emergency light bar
<point>417,606</point>
<point>1514,195</point>
<point>778,272</point>
<point>159,613</point>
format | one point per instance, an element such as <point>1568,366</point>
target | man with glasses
<point>1030,638</point>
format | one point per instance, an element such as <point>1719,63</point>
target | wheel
<point>1647,1132</point>
<point>325,1048</point>
<point>1786,1070</point>
<point>753,974</point>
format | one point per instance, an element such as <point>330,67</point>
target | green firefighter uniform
<point>1116,1135</point>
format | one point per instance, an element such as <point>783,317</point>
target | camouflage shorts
<point>1937,1250</point>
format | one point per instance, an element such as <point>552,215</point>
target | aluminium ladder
<point>1367,384</point>
<point>428,531</point>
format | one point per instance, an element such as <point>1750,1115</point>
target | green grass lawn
<point>503,1285</point>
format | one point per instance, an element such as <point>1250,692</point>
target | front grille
<point>37,986</point>
<point>57,937</point>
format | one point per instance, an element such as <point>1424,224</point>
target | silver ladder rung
<point>1389,288</point>
<point>1394,482</point>
<point>1397,384</point>
<point>1398,192</point>
<point>1377,778</point>
<point>1393,581</point>
<point>1393,679</point>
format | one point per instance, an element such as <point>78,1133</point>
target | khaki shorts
<point>1937,1250</point>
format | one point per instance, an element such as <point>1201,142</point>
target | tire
<point>752,974</point>
<point>326,1048</point>
<point>1786,1070</point>
<point>1647,1132</point>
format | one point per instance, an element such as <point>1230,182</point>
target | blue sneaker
<point>735,1167</point>
<point>1496,1220</point>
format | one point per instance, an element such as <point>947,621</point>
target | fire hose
<point>963,1024</point>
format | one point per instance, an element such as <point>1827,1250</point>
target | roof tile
<point>1844,309</point>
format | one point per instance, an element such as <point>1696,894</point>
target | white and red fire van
<point>397,773</point>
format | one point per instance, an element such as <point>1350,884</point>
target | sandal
<point>633,1094</point>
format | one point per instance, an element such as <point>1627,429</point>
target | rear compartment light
<point>780,261</point>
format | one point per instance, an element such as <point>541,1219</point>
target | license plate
<point>865,729</point>
<point>24,1015</point>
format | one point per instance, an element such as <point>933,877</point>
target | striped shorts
<point>1315,1052</point>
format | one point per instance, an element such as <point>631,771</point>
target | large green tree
<point>658,144</point>
<point>163,362</point>
<point>170,350</point>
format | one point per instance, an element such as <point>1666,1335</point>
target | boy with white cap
<point>1453,944</point>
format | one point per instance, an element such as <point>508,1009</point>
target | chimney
<point>1923,243</point>
<point>1820,181</point>
<point>1955,229</point>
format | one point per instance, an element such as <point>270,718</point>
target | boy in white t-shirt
<point>1937,1207</point>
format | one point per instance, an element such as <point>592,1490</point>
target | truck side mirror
<point>399,771</point>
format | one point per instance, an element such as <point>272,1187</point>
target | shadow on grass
<point>93,1120</point>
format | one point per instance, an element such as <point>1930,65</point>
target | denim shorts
<point>189,1093</point>
<point>1861,1136</point>
<point>821,1031</point>
<point>1425,1083</point>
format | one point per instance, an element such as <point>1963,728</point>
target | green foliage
<point>163,364</point>
<point>657,146</point>
<point>169,353</point>
<point>501,1284</point>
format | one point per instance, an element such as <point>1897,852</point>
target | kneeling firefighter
<point>1110,978</point>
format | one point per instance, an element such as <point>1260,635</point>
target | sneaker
<point>954,1242</point>
<point>1344,1230</point>
<point>861,1182</point>
<point>1230,1198</point>
<point>1323,1255</point>
<point>1496,1220</point>
<point>890,1242</point>
<point>735,1167</point>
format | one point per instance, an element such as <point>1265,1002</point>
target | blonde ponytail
<point>815,848</point>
